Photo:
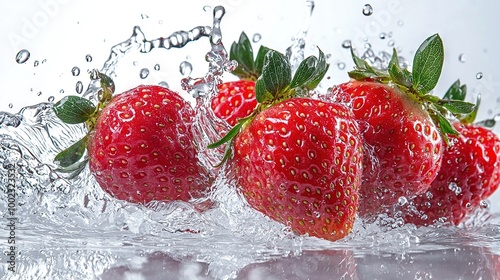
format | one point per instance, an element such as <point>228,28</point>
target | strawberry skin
<point>299,163</point>
<point>236,100</point>
<point>142,147</point>
<point>403,147</point>
<point>469,174</point>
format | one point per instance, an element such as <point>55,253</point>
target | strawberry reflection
<point>327,264</point>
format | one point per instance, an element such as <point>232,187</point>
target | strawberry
<point>236,99</point>
<point>320,264</point>
<point>400,120</point>
<point>469,174</point>
<point>140,146</point>
<point>297,159</point>
<point>299,162</point>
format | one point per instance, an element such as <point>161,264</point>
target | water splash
<point>87,234</point>
<point>295,52</point>
<point>209,128</point>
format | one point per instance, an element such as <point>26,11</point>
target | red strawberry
<point>299,162</point>
<point>236,100</point>
<point>403,146</point>
<point>470,173</point>
<point>399,119</point>
<point>141,147</point>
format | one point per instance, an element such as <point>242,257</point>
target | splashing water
<point>295,52</point>
<point>87,234</point>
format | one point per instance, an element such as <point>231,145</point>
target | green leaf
<point>107,84</point>
<point>470,118</point>
<point>360,63</point>
<point>259,60</point>
<point>72,154</point>
<point>400,76</point>
<point>74,109</point>
<point>229,136</point>
<point>427,64</point>
<point>261,93</point>
<point>456,91</point>
<point>304,72</point>
<point>445,125</point>
<point>276,73</point>
<point>320,72</point>
<point>457,106</point>
<point>360,75</point>
<point>245,52</point>
<point>242,52</point>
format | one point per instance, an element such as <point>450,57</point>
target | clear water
<point>68,228</point>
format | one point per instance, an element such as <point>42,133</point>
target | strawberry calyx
<point>458,91</point>
<point>418,84</point>
<point>242,52</point>
<point>276,83</point>
<point>75,110</point>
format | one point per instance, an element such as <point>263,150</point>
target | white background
<point>62,32</point>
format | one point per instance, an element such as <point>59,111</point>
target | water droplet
<point>39,93</point>
<point>402,200</point>
<point>479,75</point>
<point>368,46</point>
<point>35,64</point>
<point>462,58</point>
<point>185,68</point>
<point>135,62</point>
<point>367,10</point>
<point>11,105</point>
<point>455,188</point>
<point>79,87</point>
<point>341,65</point>
<point>346,44</point>
<point>401,23</point>
<point>157,67</point>
<point>144,73</point>
<point>382,35</point>
<point>391,43</point>
<point>143,16</point>
<point>44,60</point>
<point>207,8</point>
<point>51,98</point>
<point>61,91</point>
<point>485,204</point>
<point>468,205</point>
<point>256,37</point>
<point>160,21</point>
<point>75,71</point>
<point>163,84</point>
<point>88,58</point>
<point>22,56</point>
